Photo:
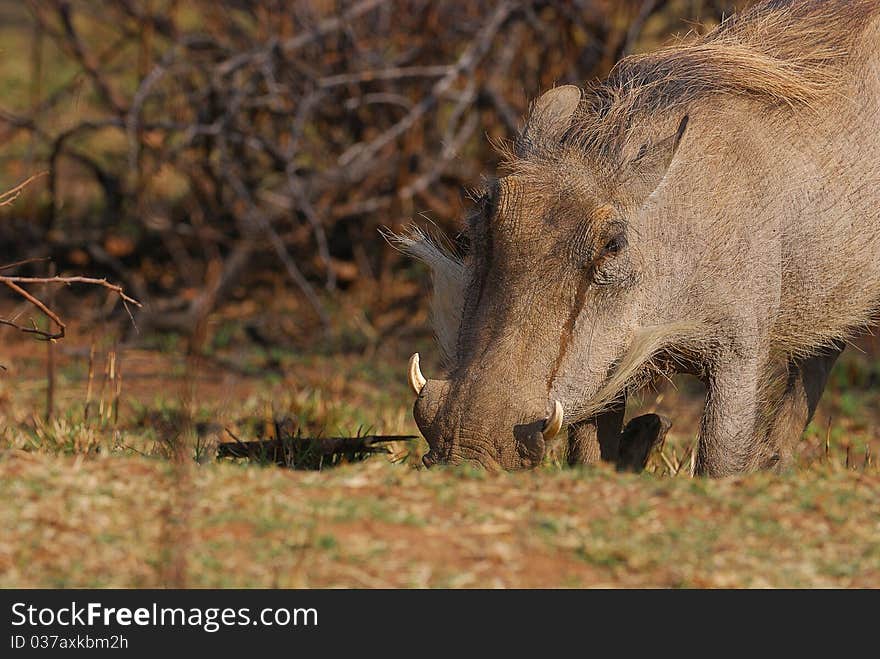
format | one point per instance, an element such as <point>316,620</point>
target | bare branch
<point>37,259</point>
<point>384,74</point>
<point>13,282</point>
<point>49,336</point>
<point>10,196</point>
<point>73,280</point>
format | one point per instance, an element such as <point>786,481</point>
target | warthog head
<point>540,314</point>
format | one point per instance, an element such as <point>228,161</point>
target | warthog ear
<point>550,117</point>
<point>640,176</point>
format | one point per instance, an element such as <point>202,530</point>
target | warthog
<point>713,207</point>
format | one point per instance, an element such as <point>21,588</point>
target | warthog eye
<point>615,245</point>
<point>609,270</point>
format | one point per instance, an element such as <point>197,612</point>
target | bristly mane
<point>780,53</point>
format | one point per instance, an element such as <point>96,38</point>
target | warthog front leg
<point>732,437</point>
<point>788,416</point>
<point>597,438</point>
<point>728,441</point>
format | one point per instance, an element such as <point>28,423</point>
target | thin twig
<point>36,259</point>
<point>51,366</point>
<point>48,336</point>
<point>73,280</point>
<point>10,196</point>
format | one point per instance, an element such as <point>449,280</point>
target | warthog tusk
<point>416,380</point>
<point>553,422</point>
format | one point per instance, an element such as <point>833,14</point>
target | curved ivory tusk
<point>416,379</point>
<point>553,422</point>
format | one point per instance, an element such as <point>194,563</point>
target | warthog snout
<point>462,426</point>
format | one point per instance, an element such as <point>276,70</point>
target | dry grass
<point>105,522</point>
<point>99,502</point>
